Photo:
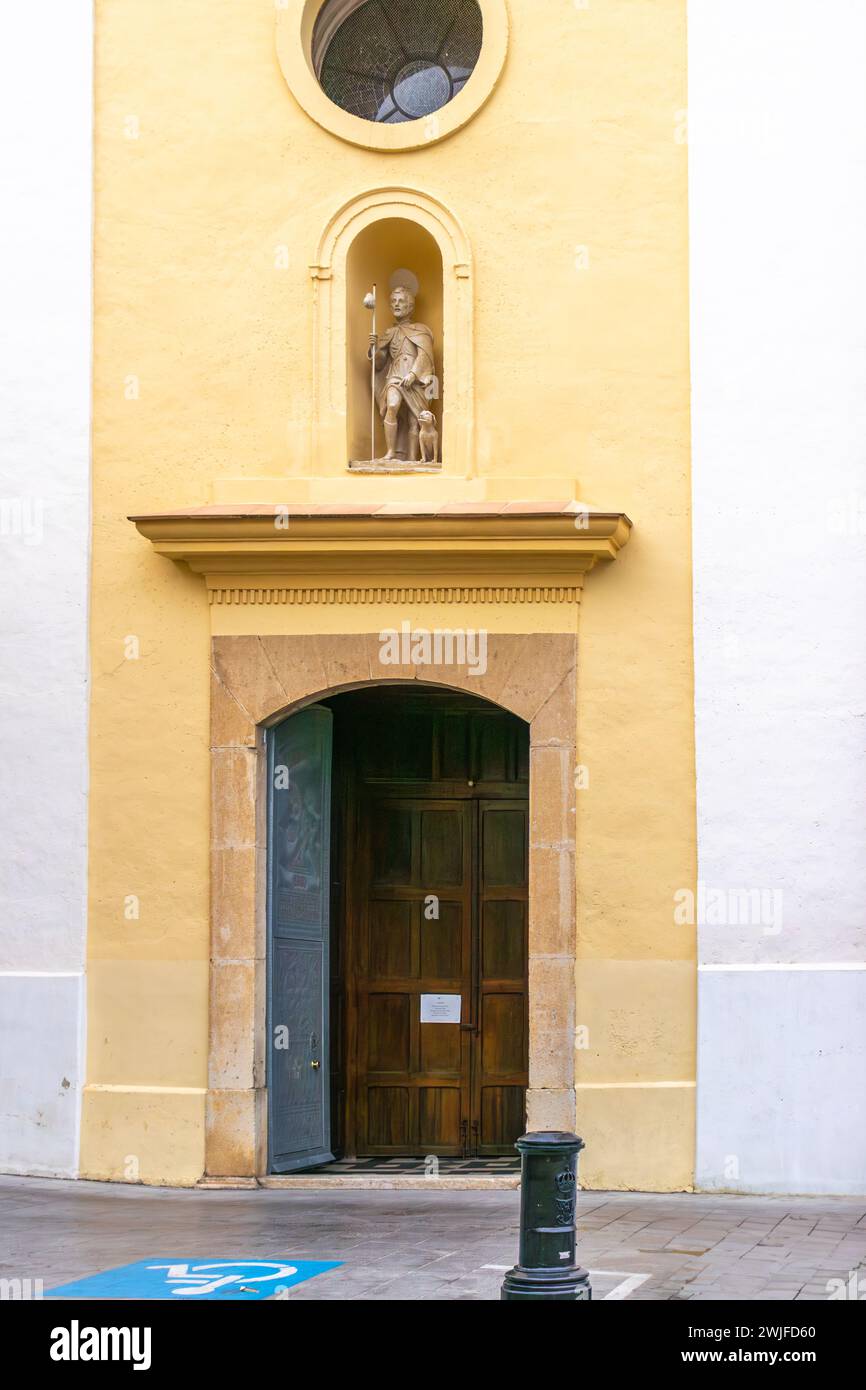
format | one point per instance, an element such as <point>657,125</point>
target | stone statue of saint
<point>405,374</point>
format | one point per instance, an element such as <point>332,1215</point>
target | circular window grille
<point>396,60</point>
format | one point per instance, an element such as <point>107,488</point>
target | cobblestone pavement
<point>415,1245</point>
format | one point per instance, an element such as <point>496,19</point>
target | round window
<point>396,60</point>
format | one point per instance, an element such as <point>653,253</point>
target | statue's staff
<point>370,303</point>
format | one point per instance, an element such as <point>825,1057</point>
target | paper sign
<point>440,1008</point>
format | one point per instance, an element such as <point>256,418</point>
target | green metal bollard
<point>546,1265</point>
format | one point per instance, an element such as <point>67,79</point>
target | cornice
<point>479,544</point>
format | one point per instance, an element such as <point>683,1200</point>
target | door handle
<point>315,1065</point>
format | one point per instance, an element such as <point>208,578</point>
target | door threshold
<point>385,1182</point>
<point>422,1174</point>
<point>321,1181</point>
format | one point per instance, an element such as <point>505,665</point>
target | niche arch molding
<point>330,347</point>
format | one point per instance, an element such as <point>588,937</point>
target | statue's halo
<point>405,279</point>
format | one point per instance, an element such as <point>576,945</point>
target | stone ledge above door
<point>459,552</point>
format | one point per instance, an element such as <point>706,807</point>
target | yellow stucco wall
<point>571,186</point>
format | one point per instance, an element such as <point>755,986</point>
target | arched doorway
<point>397,928</point>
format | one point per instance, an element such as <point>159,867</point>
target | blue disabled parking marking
<point>195,1279</point>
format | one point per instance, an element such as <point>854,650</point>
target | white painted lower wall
<point>777,152</point>
<point>781,1099</point>
<point>45,289</point>
<point>41,1035</point>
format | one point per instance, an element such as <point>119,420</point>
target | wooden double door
<point>431,976</point>
<point>440,972</point>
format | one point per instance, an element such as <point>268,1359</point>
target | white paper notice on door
<point>440,1008</point>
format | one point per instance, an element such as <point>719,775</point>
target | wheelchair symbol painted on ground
<point>246,1280</point>
<point>192,1280</point>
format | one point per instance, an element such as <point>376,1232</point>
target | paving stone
<point>419,1246</point>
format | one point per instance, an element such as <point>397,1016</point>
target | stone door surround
<point>257,681</point>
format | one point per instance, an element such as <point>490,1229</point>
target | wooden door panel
<point>440,1049</point>
<point>416,933</point>
<point>397,744</point>
<point>503,1043</point>
<point>439,1116</point>
<point>501,1052</point>
<point>442,948</point>
<point>388,1118</point>
<point>503,1117</point>
<point>493,742</point>
<point>388,1033</point>
<point>392,845</point>
<point>389,941</point>
<point>441,839</point>
<point>454,747</point>
<point>504,845</point>
<point>503,940</point>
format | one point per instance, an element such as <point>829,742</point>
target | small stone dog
<point>428,437</point>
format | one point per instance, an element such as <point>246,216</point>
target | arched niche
<point>381,231</point>
<point>389,244</point>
